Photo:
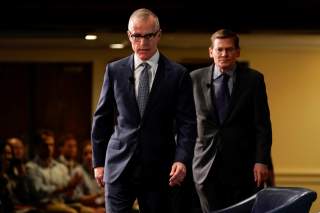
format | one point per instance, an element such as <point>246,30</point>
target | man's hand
<point>75,180</point>
<point>98,175</point>
<point>260,172</point>
<point>177,174</point>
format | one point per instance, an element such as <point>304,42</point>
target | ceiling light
<point>117,46</point>
<point>91,37</point>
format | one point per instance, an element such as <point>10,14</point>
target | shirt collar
<point>217,72</point>
<point>152,61</point>
<point>42,163</point>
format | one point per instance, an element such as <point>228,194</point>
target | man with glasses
<point>146,100</point>
<point>233,146</point>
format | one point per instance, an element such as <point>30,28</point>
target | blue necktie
<point>143,89</point>
<point>222,97</point>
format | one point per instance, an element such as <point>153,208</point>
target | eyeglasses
<point>139,37</point>
<point>220,51</point>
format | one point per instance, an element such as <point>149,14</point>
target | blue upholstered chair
<point>275,200</point>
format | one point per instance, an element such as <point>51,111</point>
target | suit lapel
<point>129,72</point>
<point>208,90</point>
<point>236,90</point>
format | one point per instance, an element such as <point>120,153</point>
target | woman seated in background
<point>92,194</point>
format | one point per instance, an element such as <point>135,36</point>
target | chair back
<point>244,206</point>
<point>284,199</point>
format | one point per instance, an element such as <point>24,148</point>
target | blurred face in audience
<point>18,148</point>
<point>6,156</point>
<point>70,149</point>
<point>46,150</point>
<point>87,156</point>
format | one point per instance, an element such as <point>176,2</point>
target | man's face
<point>144,38</point>
<point>87,155</point>
<point>224,53</point>
<point>5,157</point>
<point>47,147</point>
<point>70,149</point>
<point>18,148</point>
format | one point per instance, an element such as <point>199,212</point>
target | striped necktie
<point>143,89</point>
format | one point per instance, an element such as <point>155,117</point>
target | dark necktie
<point>143,89</point>
<point>222,97</point>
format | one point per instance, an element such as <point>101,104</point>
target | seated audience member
<point>68,156</point>
<point>6,204</point>
<point>93,195</point>
<point>50,178</point>
<point>19,182</point>
<point>19,149</point>
<point>19,157</point>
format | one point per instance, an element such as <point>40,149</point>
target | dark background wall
<point>73,17</point>
<point>55,96</point>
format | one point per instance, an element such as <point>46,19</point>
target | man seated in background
<point>6,204</point>
<point>18,180</point>
<point>50,179</point>
<point>68,155</point>
<point>84,192</point>
<point>92,194</point>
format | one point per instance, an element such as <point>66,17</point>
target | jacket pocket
<point>115,144</point>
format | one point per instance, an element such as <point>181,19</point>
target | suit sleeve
<point>262,123</point>
<point>185,121</point>
<point>103,121</point>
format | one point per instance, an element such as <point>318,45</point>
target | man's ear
<point>210,50</point>
<point>128,33</point>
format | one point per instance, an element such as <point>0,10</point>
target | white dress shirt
<point>153,62</point>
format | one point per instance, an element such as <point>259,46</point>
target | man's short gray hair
<point>143,14</point>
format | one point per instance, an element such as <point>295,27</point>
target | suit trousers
<point>215,193</point>
<point>153,193</point>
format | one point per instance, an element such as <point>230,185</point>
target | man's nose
<point>224,52</point>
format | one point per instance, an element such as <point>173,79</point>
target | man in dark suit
<point>232,152</point>
<point>134,147</point>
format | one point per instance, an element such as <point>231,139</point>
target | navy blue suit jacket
<point>118,128</point>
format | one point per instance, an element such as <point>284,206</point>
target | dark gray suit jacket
<point>118,129</point>
<point>243,139</point>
